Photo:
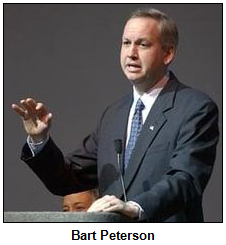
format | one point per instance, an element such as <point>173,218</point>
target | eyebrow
<point>65,207</point>
<point>76,203</point>
<point>138,40</point>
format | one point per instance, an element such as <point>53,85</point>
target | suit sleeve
<point>68,174</point>
<point>190,166</point>
<point>62,175</point>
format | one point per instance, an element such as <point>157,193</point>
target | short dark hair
<point>168,29</point>
<point>95,193</point>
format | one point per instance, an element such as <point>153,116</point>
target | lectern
<point>71,217</point>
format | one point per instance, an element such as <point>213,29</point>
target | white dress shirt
<point>148,99</point>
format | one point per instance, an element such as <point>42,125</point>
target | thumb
<point>49,118</point>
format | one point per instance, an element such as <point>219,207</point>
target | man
<point>168,131</point>
<point>79,201</point>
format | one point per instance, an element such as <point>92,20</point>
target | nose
<point>133,52</point>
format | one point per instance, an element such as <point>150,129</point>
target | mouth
<point>133,67</point>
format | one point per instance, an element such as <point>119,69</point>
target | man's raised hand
<point>36,118</point>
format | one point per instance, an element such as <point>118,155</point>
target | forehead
<point>79,197</point>
<point>141,27</point>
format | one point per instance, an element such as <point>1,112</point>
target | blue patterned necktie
<point>136,126</point>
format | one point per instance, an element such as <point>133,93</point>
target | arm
<point>64,175</point>
<point>61,175</point>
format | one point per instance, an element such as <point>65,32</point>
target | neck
<point>147,86</point>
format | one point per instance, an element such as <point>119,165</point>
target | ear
<point>169,55</point>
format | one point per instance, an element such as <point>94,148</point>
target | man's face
<point>143,59</point>
<point>78,202</point>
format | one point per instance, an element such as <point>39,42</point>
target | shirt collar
<point>149,96</point>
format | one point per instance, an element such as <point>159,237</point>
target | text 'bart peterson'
<point>106,235</point>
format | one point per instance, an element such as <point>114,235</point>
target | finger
<point>115,204</point>
<point>100,204</point>
<point>112,209</point>
<point>41,110</point>
<point>29,110</point>
<point>27,107</point>
<point>103,199</point>
<point>31,102</point>
<point>116,207</point>
<point>106,198</point>
<point>49,118</point>
<point>111,205</point>
<point>95,208</point>
<point>20,111</point>
<point>107,201</point>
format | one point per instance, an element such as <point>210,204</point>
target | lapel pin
<point>151,127</point>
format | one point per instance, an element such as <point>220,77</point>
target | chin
<point>140,83</point>
<point>134,79</point>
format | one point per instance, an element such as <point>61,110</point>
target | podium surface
<point>68,217</point>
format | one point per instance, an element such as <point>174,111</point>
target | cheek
<point>147,62</point>
<point>88,201</point>
<point>122,59</point>
<point>152,60</point>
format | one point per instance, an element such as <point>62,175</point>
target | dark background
<point>67,56</point>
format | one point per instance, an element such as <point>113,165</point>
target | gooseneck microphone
<point>118,149</point>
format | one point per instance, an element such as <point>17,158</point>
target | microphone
<point>118,149</point>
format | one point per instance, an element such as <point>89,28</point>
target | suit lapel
<point>153,124</point>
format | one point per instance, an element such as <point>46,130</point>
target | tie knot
<point>139,106</point>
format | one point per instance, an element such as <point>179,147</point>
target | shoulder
<point>117,104</point>
<point>120,104</point>
<point>116,109</point>
<point>187,96</point>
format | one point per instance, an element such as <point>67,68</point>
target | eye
<point>144,44</point>
<point>126,42</point>
<point>80,209</point>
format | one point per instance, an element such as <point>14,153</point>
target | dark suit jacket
<point>169,167</point>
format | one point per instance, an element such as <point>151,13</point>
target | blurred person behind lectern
<point>80,201</point>
<point>168,131</point>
